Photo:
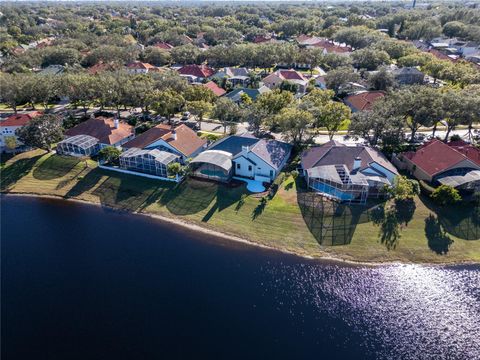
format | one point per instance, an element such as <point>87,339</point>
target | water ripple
<point>408,311</point>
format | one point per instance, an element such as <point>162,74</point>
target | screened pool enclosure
<point>78,145</point>
<point>153,162</point>
<point>336,182</point>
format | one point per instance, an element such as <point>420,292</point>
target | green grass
<point>293,220</point>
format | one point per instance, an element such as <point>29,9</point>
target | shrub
<point>110,154</point>
<point>455,137</point>
<point>294,174</point>
<point>445,195</point>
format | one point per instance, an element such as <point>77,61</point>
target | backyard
<point>292,219</point>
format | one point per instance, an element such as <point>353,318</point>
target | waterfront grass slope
<point>292,220</point>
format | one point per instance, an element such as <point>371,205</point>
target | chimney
<point>174,134</point>
<point>356,163</point>
<point>246,148</point>
<point>115,123</point>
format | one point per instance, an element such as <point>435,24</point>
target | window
<point>249,167</point>
<point>238,166</point>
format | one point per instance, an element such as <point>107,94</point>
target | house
<point>408,76</point>
<point>236,76</point>
<point>8,127</point>
<point>153,162</point>
<point>181,141</point>
<point>242,156</point>
<point>217,90</point>
<point>275,80</point>
<point>330,47</point>
<point>164,46</point>
<point>347,173</point>
<point>237,94</point>
<point>138,67</point>
<point>52,70</point>
<point>108,131</point>
<point>101,67</point>
<point>456,164</point>
<point>196,73</point>
<point>363,100</point>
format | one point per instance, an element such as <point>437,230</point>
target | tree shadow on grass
<point>438,239</point>
<point>404,210</point>
<point>189,197</point>
<point>461,220</point>
<point>259,208</point>
<point>390,230</point>
<point>86,183</point>
<point>331,223</point>
<point>10,174</point>
<point>54,167</point>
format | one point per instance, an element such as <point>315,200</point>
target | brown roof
<point>187,141</point>
<point>140,65</point>
<point>103,129</point>
<point>364,100</point>
<point>217,90</point>
<point>163,45</point>
<point>291,75</point>
<point>435,157</point>
<point>19,119</point>
<point>201,71</point>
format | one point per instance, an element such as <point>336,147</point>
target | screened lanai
<point>153,162</point>
<point>336,182</point>
<point>213,164</point>
<point>78,145</point>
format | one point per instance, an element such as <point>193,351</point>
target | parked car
<point>185,116</point>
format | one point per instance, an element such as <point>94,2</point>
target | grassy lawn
<point>293,219</point>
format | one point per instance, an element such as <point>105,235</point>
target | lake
<point>83,282</point>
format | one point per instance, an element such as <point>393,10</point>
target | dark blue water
<point>81,282</point>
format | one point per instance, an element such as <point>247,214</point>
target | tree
<point>167,103</point>
<point>199,108</point>
<point>446,195</point>
<point>199,93</point>
<point>57,55</point>
<point>256,118</point>
<point>227,111</point>
<point>381,80</point>
<point>338,78</point>
<point>273,102</point>
<point>294,124</point>
<point>41,132</point>
<point>175,169</point>
<point>185,54</point>
<point>12,89</point>
<point>331,116</point>
<point>369,59</point>
<point>156,56</point>
<point>404,189</point>
<point>109,154</point>
<point>10,142</point>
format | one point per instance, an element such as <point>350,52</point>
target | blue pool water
<point>330,190</point>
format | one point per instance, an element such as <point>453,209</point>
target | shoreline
<point>326,257</point>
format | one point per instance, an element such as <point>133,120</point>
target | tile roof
<point>187,142</point>
<point>217,90</point>
<point>201,71</point>
<point>140,65</point>
<point>19,119</point>
<point>364,100</point>
<point>291,75</point>
<point>435,156</point>
<point>103,129</point>
<point>236,94</point>
<point>163,46</point>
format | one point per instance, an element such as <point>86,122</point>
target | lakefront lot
<point>291,219</point>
